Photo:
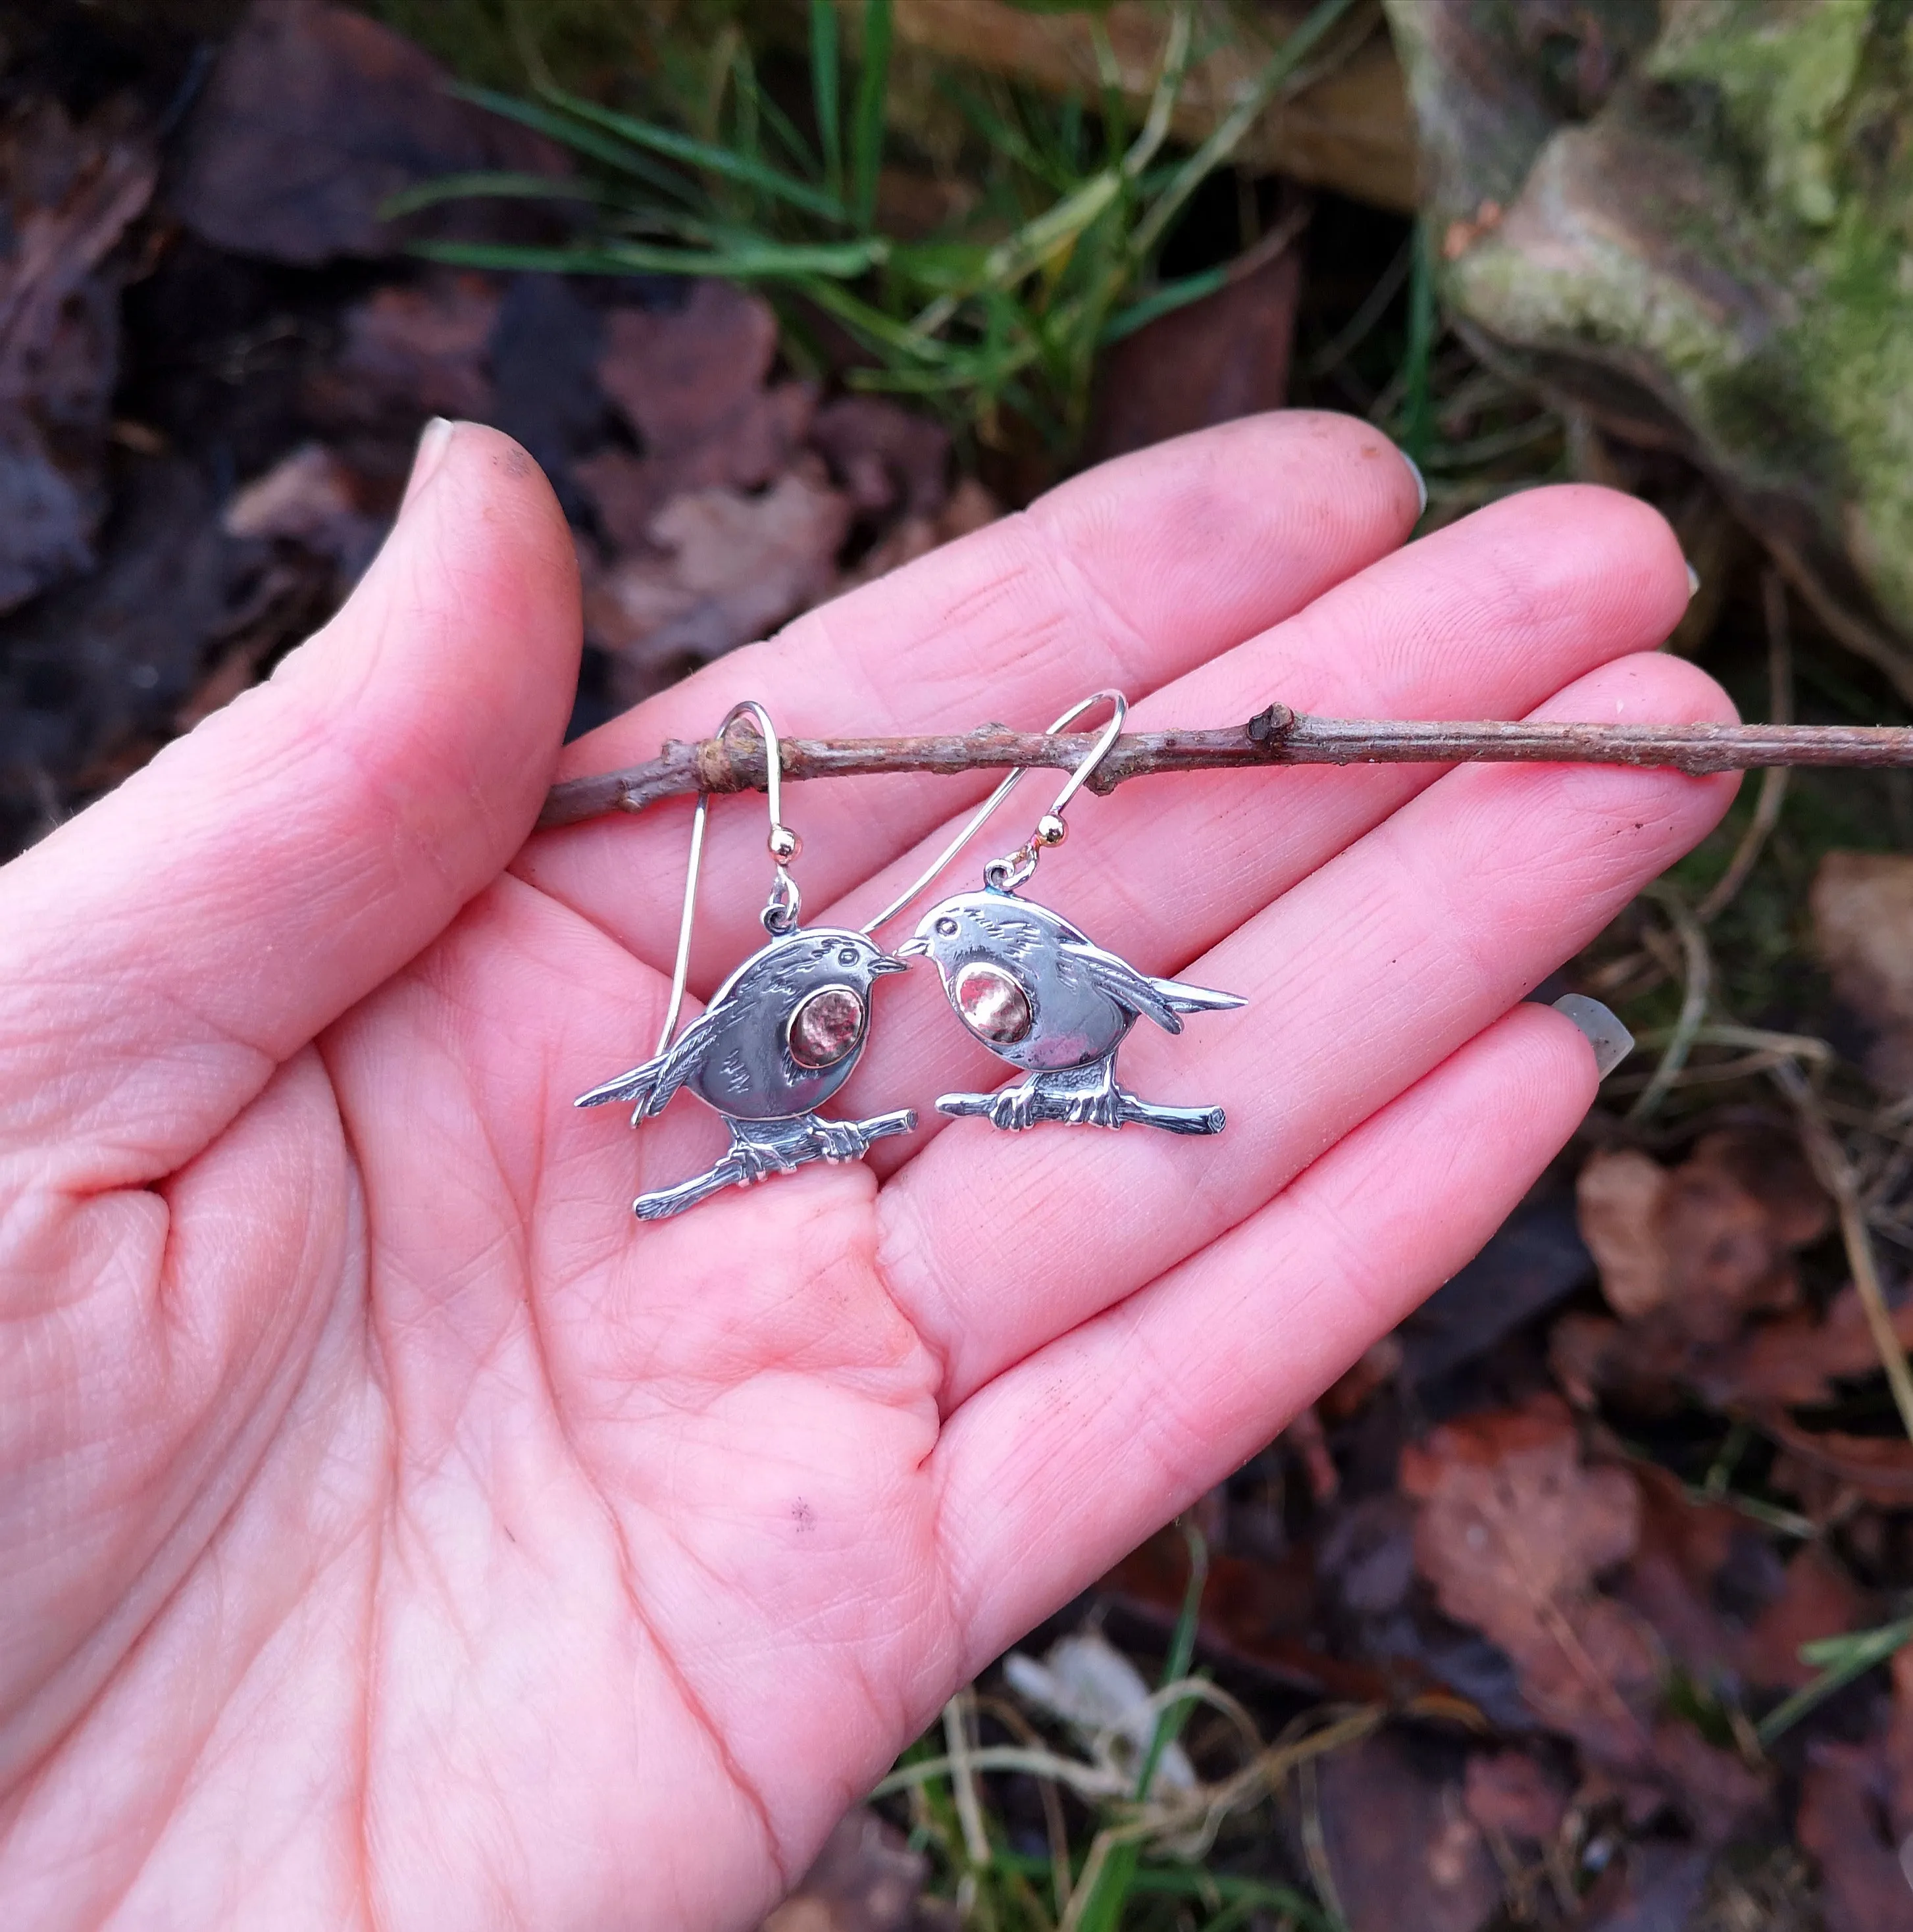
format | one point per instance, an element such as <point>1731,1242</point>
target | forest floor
<point>1580,1602</point>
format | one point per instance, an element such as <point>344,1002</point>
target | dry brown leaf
<point>677,373</point>
<point>1405,1854</point>
<point>1513,1532</point>
<point>1209,362</point>
<point>883,456</point>
<point>410,352</point>
<point>1818,1599</point>
<point>314,117</point>
<point>1862,923</point>
<point>1842,1824</point>
<point>732,567</point>
<point>1707,1243</point>
<point>1513,1797</point>
<point>745,448</point>
<point>67,195</point>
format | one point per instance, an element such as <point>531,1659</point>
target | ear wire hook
<point>781,913</point>
<point>1050,828</point>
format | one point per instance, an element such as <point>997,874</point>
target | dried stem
<point>1276,736</point>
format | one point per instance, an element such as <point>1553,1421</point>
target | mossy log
<point>1695,222</point>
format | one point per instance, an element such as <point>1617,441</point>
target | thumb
<point>162,952</point>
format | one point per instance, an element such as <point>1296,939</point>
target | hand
<point>392,1530</point>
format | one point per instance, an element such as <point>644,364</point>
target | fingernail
<point>434,440</point>
<point>1693,583</point>
<point>1421,483</point>
<point>1611,1041</point>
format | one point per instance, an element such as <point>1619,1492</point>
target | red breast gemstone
<point>991,1004</point>
<point>825,1026</point>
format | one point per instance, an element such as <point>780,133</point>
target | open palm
<point>392,1530</point>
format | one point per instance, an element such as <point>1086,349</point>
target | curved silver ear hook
<point>781,913</point>
<point>1050,828</point>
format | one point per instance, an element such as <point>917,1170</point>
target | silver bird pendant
<point>778,1039</point>
<point>1040,995</point>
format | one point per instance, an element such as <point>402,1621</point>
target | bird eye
<point>947,927</point>
<point>848,957</point>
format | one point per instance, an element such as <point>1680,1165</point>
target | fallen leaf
<point>1513,1532</point>
<point>1795,1362</point>
<point>882,456</point>
<point>971,507</point>
<point>311,498</point>
<point>1817,1600</point>
<point>1513,1797</point>
<point>1862,904</point>
<point>410,352</point>
<point>1706,1244</point>
<point>1653,1886</point>
<point>315,116</point>
<point>1842,1823</point>
<point>732,567</point>
<point>678,374</point>
<point>1208,362</point>
<point>1877,1469</point>
<point>1536,1258</point>
<point>1405,1852</point>
<point>865,1880</point>
<point>70,192</point>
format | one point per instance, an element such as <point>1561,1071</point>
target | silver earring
<point>780,1035</point>
<point>1039,994</point>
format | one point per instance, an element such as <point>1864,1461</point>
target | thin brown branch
<point>1276,736</point>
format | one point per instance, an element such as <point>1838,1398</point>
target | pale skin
<point>395,1533</point>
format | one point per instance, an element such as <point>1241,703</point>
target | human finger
<point>1486,618</point>
<point>1054,1470</point>
<point>1360,979</point>
<point>163,952</point>
<point>1129,574</point>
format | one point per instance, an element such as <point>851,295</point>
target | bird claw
<point>1016,1108</point>
<point>1101,1107</point>
<point>756,1162</point>
<point>841,1140</point>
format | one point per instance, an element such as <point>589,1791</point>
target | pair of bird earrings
<point>785,1031</point>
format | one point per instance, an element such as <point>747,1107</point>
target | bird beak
<point>911,948</point>
<point>883,963</point>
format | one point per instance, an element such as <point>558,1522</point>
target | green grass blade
<point>582,140</point>
<point>866,125</point>
<point>826,84</point>
<point>1418,400</point>
<point>1182,1654</point>
<point>1843,1659</point>
<point>1229,131</point>
<point>820,263</point>
<point>1163,300</point>
<point>707,156</point>
<point>498,185</point>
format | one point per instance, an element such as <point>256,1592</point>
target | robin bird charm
<point>1027,984</point>
<point>779,1038</point>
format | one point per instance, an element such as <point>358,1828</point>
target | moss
<point>1785,70</point>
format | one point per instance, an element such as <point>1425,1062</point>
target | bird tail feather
<point>639,1084</point>
<point>1184,999</point>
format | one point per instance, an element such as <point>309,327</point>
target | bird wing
<point>652,1084</point>
<point>1122,983</point>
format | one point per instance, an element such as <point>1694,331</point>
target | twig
<point>1276,736</point>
